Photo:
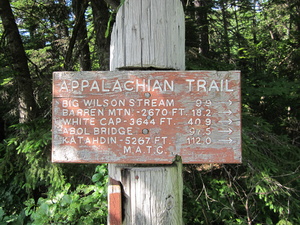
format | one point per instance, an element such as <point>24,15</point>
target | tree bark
<point>294,6</point>
<point>26,101</point>
<point>100,19</point>
<point>226,37</point>
<point>80,35</point>
<point>62,29</point>
<point>203,7</point>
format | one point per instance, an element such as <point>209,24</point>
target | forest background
<point>259,37</point>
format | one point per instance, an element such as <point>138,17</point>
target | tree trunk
<point>256,60</point>
<point>80,35</point>
<point>26,102</point>
<point>62,29</point>
<point>202,9</point>
<point>226,37</point>
<point>294,6</point>
<point>236,18</point>
<point>100,19</point>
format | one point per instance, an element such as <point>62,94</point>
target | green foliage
<point>84,205</point>
<point>262,190</point>
<point>29,149</point>
<point>24,164</point>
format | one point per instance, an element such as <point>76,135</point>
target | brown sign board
<point>146,117</point>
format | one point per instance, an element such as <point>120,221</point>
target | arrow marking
<point>229,112</point>
<point>229,102</point>
<point>229,131</point>
<point>229,121</point>
<point>228,141</point>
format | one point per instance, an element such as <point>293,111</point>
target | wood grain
<point>149,34</point>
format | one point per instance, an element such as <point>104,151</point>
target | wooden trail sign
<point>147,117</point>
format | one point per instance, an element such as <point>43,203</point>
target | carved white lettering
<point>146,149</point>
<point>166,121</point>
<point>78,121</point>
<point>201,85</point>
<point>89,140</point>
<point>151,102</point>
<point>64,87</point>
<point>110,121</point>
<point>113,130</point>
<point>76,131</point>
<point>70,103</point>
<point>116,86</point>
<point>208,86</point>
<point>213,85</point>
<point>95,86</point>
<point>126,85</point>
<point>83,112</point>
<point>179,111</point>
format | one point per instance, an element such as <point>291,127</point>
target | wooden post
<point>151,194</point>
<point>148,34</point>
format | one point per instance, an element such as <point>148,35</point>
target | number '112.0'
<point>198,140</point>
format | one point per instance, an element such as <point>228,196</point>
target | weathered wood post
<point>148,34</point>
